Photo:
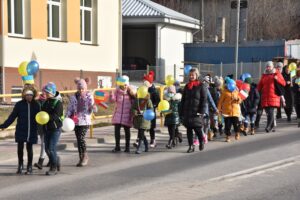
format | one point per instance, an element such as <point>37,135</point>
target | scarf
<point>191,84</point>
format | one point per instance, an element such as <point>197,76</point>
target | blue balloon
<point>187,69</point>
<point>32,67</point>
<point>231,86</point>
<point>230,81</point>
<point>149,115</point>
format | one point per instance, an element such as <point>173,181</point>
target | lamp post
<point>237,38</point>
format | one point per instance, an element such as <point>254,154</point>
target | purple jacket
<point>82,107</point>
<point>122,114</point>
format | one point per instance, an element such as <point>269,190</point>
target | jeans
<point>249,118</point>
<point>51,140</point>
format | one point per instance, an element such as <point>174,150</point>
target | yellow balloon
<point>169,80</point>
<point>163,105</point>
<point>42,118</point>
<point>23,68</point>
<point>292,66</point>
<point>142,92</point>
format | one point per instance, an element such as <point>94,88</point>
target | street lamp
<point>237,38</point>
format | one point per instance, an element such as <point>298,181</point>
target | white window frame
<point>12,19</point>
<point>49,15</point>
<point>82,26</point>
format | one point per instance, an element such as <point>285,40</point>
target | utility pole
<point>237,38</point>
<point>202,19</point>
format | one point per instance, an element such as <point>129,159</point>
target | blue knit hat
<point>50,88</point>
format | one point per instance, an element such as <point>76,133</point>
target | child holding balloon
<point>123,97</point>
<point>80,110</point>
<point>229,107</point>
<point>26,128</point>
<point>53,106</point>
<point>140,105</point>
<point>172,116</point>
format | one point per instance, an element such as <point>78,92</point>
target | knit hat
<point>172,89</point>
<point>124,79</point>
<point>270,64</point>
<point>82,83</point>
<point>50,88</point>
<point>279,65</point>
<point>149,77</point>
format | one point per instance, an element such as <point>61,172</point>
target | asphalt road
<point>264,166</point>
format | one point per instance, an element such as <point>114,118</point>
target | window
<point>54,19</point>
<point>16,17</point>
<point>86,16</point>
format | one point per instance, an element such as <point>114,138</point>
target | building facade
<point>69,38</point>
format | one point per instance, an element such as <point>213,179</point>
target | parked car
<point>134,63</point>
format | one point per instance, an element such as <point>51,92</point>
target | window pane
<point>81,28</point>
<point>55,21</point>
<point>87,24</point>
<point>81,2</point>
<point>56,0</point>
<point>88,3</point>
<point>18,16</point>
<point>9,15</point>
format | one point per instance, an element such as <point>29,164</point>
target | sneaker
<point>196,142</point>
<point>227,139</point>
<point>237,136</point>
<point>153,144</point>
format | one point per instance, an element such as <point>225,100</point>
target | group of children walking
<point>204,106</point>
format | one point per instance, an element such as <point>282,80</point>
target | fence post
<point>259,70</point>
<point>221,69</point>
<point>242,68</point>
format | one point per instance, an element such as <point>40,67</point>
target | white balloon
<point>68,125</point>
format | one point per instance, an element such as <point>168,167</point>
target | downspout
<point>2,28</point>
<point>159,63</point>
<point>120,37</point>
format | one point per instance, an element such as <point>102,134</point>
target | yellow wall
<point>39,19</point>
<point>5,21</point>
<point>73,21</point>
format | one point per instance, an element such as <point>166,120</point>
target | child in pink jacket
<point>123,97</point>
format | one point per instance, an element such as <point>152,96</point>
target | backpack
<point>61,118</point>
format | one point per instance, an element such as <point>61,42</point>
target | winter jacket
<point>296,90</point>
<point>155,99</point>
<point>215,95</point>
<point>26,128</point>
<point>82,108</point>
<point>122,114</point>
<point>193,104</point>
<point>54,107</point>
<point>229,103</point>
<point>288,90</point>
<point>138,108</point>
<point>172,118</point>
<point>250,104</point>
<point>267,89</point>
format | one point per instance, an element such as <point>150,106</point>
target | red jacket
<point>267,89</point>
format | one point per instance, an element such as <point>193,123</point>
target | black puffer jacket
<point>296,91</point>
<point>54,108</point>
<point>250,104</point>
<point>193,105</point>
<point>26,128</point>
<point>288,90</point>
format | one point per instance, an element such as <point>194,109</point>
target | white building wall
<point>73,56</point>
<point>172,51</point>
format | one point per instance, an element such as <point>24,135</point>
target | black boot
<point>169,145</point>
<point>146,144</point>
<point>39,164</point>
<point>201,146</point>
<point>127,146</point>
<point>29,170</point>
<point>58,164</point>
<point>52,171</point>
<point>289,118</point>
<point>139,147</point>
<point>191,149</point>
<point>20,168</point>
<point>116,149</point>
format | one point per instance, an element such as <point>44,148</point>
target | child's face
<point>193,76</point>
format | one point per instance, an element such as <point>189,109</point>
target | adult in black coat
<point>26,128</point>
<point>288,93</point>
<point>296,90</point>
<point>193,103</point>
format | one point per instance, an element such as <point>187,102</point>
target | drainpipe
<point>120,37</point>
<point>2,28</point>
<point>158,54</point>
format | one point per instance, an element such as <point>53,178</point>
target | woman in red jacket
<point>269,99</point>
